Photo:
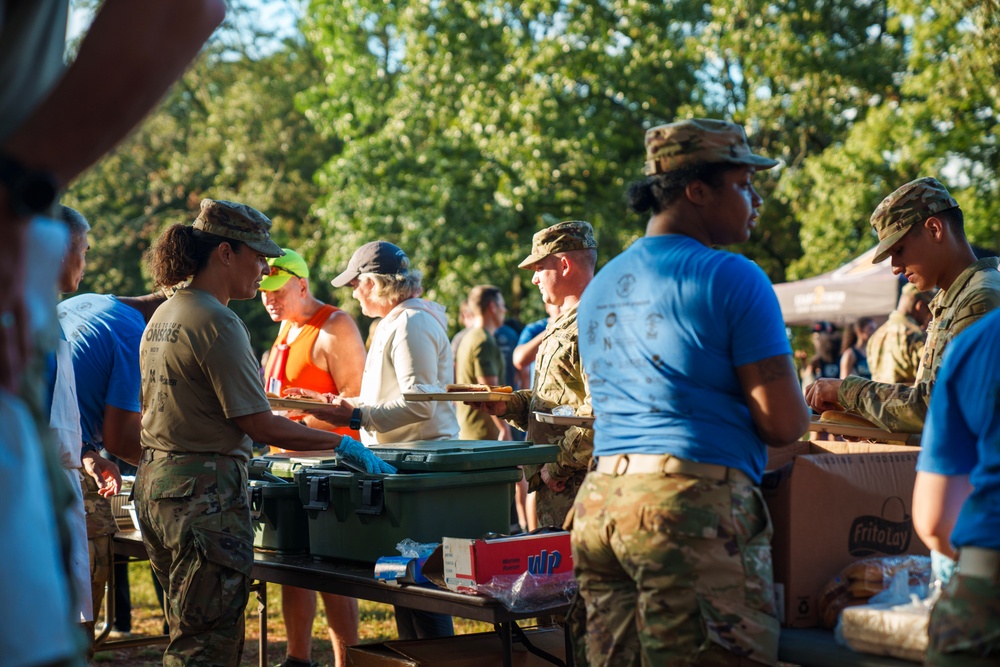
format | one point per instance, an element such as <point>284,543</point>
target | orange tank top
<point>291,363</point>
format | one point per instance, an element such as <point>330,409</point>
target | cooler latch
<point>372,497</point>
<point>256,501</point>
<point>257,468</point>
<point>319,494</point>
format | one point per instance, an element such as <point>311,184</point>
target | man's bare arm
<point>343,352</point>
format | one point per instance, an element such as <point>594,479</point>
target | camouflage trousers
<point>195,522</point>
<point>965,624</point>
<point>101,527</point>
<point>674,570</point>
<point>552,507</point>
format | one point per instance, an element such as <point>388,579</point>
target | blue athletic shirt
<point>962,432</point>
<point>104,334</point>
<point>662,329</point>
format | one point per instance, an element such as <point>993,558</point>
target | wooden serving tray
<point>863,432</point>
<point>293,403</point>
<point>461,396</point>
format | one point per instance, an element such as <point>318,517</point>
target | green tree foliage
<point>940,120</point>
<point>468,126</point>
<point>458,129</point>
<point>228,130</point>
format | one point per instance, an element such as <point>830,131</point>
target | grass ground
<point>377,625</point>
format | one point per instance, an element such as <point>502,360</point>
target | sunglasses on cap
<point>280,269</point>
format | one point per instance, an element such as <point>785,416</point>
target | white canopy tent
<point>856,289</point>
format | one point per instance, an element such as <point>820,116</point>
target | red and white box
<point>468,562</point>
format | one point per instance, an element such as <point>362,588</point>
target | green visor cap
<point>284,268</point>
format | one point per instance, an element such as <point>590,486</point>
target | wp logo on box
<point>544,563</point>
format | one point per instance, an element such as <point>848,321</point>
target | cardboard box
<point>468,562</point>
<point>476,650</point>
<point>833,503</point>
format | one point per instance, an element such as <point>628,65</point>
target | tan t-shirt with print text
<point>198,373</point>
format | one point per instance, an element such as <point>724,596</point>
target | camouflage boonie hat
<point>907,206</point>
<point>238,222</point>
<point>561,237</point>
<point>699,141</point>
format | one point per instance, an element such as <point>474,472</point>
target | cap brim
<point>274,282</point>
<point>344,278</point>
<point>529,261</point>
<point>885,245</point>
<point>758,161</point>
<point>267,248</point>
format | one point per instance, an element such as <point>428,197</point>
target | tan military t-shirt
<point>198,373</point>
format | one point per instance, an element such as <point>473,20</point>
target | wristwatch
<point>29,191</point>
<point>355,422</point>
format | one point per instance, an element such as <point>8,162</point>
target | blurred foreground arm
<point>128,59</point>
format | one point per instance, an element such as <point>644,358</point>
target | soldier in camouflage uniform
<point>895,348</point>
<point>919,226</point>
<point>691,374</point>
<point>956,499</point>
<point>562,257</point>
<point>202,407</point>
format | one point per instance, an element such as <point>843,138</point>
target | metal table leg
<point>506,643</point>
<point>260,588</point>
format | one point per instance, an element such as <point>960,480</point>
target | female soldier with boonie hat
<point>691,376</point>
<point>202,407</point>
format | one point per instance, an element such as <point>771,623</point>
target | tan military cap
<point>911,204</point>
<point>561,237</point>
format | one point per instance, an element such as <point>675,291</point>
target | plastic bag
<point>889,628</point>
<point>857,583</point>
<point>528,592</point>
<point>413,549</point>
<point>900,590</point>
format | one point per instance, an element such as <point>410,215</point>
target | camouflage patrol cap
<point>238,222</point>
<point>907,206</point>
<point>561,237</point>
<point>699,141</point>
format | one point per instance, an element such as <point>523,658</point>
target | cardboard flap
<point>434,567</point>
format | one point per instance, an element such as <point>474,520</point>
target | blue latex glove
<point>353,451</point>
<point>942,567</point>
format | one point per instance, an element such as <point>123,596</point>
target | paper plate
<point>564,420</point>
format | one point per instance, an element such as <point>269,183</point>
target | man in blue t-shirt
<point>104,334</point>
<point>956,499</point>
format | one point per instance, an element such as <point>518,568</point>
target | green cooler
<point>462,455</point>
<point>461,489</point>
<point>279,522</point>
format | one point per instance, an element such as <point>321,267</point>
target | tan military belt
<point>979,562</point>
<point>666,464</point>
<point>152,454</point>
